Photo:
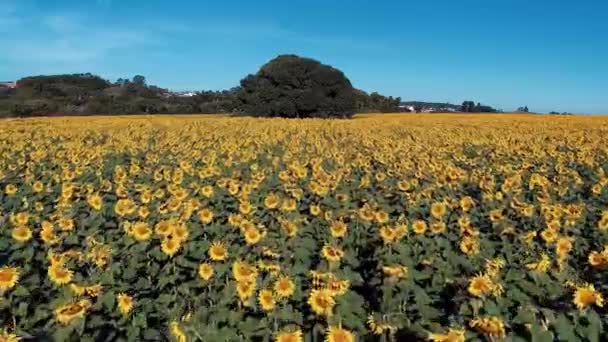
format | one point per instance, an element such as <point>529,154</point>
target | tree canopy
<point>296,87</point>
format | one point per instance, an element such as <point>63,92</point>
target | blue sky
<point>546,54</point>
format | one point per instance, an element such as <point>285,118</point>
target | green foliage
<point>294,87</point>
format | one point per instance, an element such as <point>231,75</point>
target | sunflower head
<point>284,287</point>
<point>125,303</point>
<point>266,300</point>
<point>205,271</point>
<point>8,277</point>
<point>289,335</point>
<point>587,295</point>
<point>321,302</point>
<point>339,334</point>
<point>217,251</point>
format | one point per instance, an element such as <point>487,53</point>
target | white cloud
<point>64,38</point>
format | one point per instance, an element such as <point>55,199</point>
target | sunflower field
<point>380,228</point>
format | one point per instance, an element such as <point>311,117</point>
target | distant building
<point>406,108</point>
<point>10,85</point>
<point>184,93</point>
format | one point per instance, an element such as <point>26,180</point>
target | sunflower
<point>100,255</point>
<point>338,229</point>
<point>563,246</point>
<point>67,313</point>
<point>284,287</point>
<point>47,233</point>
<point>245,290</point>
<point>124,207</point>
<point>145,197</point>
<point>59,274</point>
<point>493,266</point>
<point>289,335</point>
<point>549,235</point>
<point>205,271</point>
<point>597,259</point>
<point>10,189</point>
<point>205,215</point>
<point>245,207</point>
<point>289,204</point>
<point>207,191</point>
<point>5,336</point>
<point>491,326</point>
<point>321,302</point>
<point>395,272</point>
<point>125,303</point>
<point>272,201</point>
<point>366,213</point>
<point>528,211</point>
<point>266,300</point>
<point>66,224</point>
<point>401,230</point>
<point>528,237</point>
<point>163,228</point>
<point>339,334</point>
<point>378,325</point>
<point>170,246</point>
<point>21,233</point>
<point>244,272</point>
<point>332,253</point>
<point>586,295</point>
<point>381,216</point>
<point>180,232</point>
<point>77,289</point>
<point>8,277</point>
<point>419,227</point>
<point>438,210</point>
<point>93,290</point>
<point>95,201</point>
<point>388,234</point>
<point>496,215</point>
<point>38,186</point>
<point>315,210</point>
<point>290,228</point>
<point>217,251</point>
<point>453,335</point>
<point>466,203</point>
<point>141,231</point>
<point>252,235</point>
<point>480,286</point>
<point>438,227</point>
<point>21,219</point>
<point>602,224</point>
<point>177,332</point>
<point>469,245</point>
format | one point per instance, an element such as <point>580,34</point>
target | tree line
<point>287,86</point>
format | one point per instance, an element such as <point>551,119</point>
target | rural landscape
<point>297,205</point>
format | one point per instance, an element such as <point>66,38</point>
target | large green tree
<point>296,87</point>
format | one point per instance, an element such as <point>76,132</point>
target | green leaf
<point>524,316</point>
<point>594,328</point>
<point>21,291</point>
<point>428,312</point>
<point>540,335</point>
<point>108,300</point>
<point>152,334</point>
<point>565,329</point>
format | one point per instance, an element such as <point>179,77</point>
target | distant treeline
<point>466,107</point>
<point>88,94</point>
